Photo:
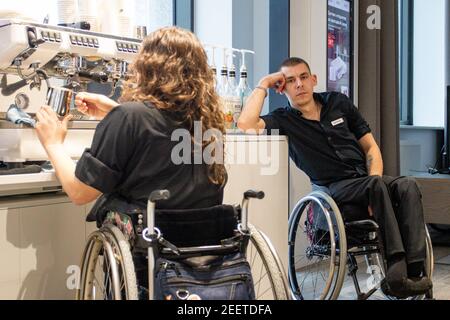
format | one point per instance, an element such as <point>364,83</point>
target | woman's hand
<point>51,130</point>
<point>94,105</point>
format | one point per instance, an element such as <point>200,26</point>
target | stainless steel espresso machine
<point>34,57</point>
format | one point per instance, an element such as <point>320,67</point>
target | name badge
<point>337,122</point>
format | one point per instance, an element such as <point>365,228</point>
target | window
<point>406,59</point>
<point>109,16</point>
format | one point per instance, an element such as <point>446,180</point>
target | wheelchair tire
<point>270,283</point>
<point>324,257</point>
<point>107,249</point>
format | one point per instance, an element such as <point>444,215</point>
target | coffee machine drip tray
<point>24,184</point>
<point>7,169</point>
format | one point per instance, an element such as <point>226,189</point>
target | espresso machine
<point>35,57</point>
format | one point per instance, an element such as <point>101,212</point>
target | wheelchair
<point>323,247</point>
<point>108,269</point>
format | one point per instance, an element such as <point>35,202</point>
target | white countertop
<point>47,181</point>
<point>36,182</point>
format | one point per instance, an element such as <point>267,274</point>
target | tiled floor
<point>441,279</point>
<point>312,281</point>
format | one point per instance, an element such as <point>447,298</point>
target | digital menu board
<point>340,49</point>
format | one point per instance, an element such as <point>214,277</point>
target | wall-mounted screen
<point>340,47</point>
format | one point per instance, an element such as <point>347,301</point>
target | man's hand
<point>51,130</point>
<point>94,105</point>
<point>275,81</point>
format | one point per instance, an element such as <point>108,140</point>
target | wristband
<point>262,88</point>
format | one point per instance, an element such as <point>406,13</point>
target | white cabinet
<point>261,163</point>
<point>40,238</point>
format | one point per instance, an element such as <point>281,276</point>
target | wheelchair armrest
<point>252,194</point>
<point>368,225</point>
<point>159,195</point>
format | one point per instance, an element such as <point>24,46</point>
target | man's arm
<point>250,116</point>
<point>373,155</point>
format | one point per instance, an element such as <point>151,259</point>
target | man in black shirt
<point>331,142</point>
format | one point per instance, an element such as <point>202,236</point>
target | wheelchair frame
<point>341,255</point>
<point>117,250</point>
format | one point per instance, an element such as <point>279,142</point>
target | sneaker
<point>407,288</point>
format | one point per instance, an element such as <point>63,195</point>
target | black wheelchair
<point>108,270</point>
<point>323,247</point>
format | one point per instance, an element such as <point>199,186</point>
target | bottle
<point>225,93</point>
<point>233,93</point>
<point>244,91</point>
<point>213,64</point>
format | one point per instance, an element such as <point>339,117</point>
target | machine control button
<point>73,40</point>
<point>45,35</point>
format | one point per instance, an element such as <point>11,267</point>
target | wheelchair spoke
<point>315,280</point>
<point>263,293</point>
<point>261,279</point>
<point>260,271</point>
<point>323,237</point>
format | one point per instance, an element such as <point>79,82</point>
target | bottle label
<point>232,110</point>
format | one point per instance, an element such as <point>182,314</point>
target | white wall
<point>261,43</point>
<point>308,41</point>
<point>36,10</point>
<point>429,63</point>
<point>309,34</point>
<point>214,23</point>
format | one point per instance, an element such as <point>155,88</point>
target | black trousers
<point>397,208</point>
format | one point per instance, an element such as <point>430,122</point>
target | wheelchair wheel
<point>267,271</point>
<point>107,268</point>
<point>317,249</point>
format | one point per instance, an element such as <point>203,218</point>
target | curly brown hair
<point>171,72</point>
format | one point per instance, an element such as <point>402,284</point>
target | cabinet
<point>41,238</point>
<point>436,197</point>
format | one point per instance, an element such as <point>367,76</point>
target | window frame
<point>406,61</point>
<point>183,14</point>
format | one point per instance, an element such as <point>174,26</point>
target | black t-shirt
<point>130,157</point>
<point>327,151</point>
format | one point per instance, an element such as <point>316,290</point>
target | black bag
<point>221,278</point>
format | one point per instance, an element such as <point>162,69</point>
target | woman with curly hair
<point>170,87</point>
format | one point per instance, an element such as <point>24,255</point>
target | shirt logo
<point>337,122</point>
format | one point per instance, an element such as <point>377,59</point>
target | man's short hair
<point>292,62</point>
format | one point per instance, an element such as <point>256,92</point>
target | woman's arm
<point>94,105</point>
<point>52,132</point>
